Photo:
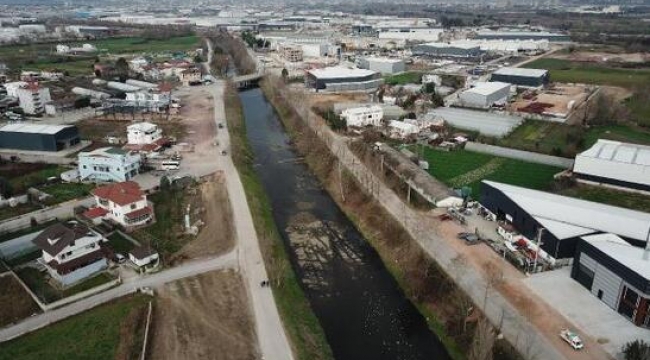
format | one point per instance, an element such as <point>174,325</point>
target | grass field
<point>602,195</point>
<point>21,183</point>
<point>35,280</point>
<point>66,191</point>
<point>543,136</point>
<point>410,77</point>
<point>95,334</point>
<point>464,168</point>
<point>575,72</point>
<point>74,67</point>
<point>15,302</point>
<point>120,244</point>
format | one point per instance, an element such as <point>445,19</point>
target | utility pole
<point>539,244</point>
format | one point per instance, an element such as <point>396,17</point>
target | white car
<point>572,338</point>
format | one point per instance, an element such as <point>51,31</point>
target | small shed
<point>143,255</point>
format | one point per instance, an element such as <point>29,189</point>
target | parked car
<point>572,339</point>
<point>220,125</point>
<point>470,238</point>
<point>120,258</point>
<point>223,152</point>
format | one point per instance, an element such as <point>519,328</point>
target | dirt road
<point>204,317</point>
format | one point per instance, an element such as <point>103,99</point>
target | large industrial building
<point>565,220</point>
<point>35,137</point>
<point>615,164</point>
<point>343,79</point>
<point>522,77</point>
<point>487,123</point>
<point>485,94</point>
<point>382,65</point>
<point>617,273</point>
<point>521,35</point>
<point>443,49</point>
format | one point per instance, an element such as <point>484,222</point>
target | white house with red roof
<point>123,203</point>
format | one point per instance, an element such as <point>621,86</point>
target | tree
<point>5,188</point>
<point>636,350</point>
<point>165,184</point>
<point>122,68</point>
<point>285,74</point>
<point>82,102</point>
<point>429,88</point>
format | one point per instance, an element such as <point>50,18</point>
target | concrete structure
<point>33,137</point>
<point>382,65</point>
<point>122,203</point>
<point>564,220</point>
<point>31,97</point>
<point>487,123</point>
<point>485,94</point>
<point>190,76</point>
<point>151,101</point>
<point>122,86</point>
<point>71,252</point>
<point>615,164</point>
<point>143,255</point>
<point>343,79</point>
<point>521,35</point>
<point>108,164</point>
<point>443,49</point>
<point>89,92</point>
<point>400,130</point>
<point>363,116</point>
<point>291,52</point>
<point>143,133</point>
<point>522,77</point>
<point>424,34</point>
<point>617,273</point>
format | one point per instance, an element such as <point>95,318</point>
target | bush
<point>636,350</point>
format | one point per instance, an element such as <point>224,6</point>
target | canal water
<point>363,311</point>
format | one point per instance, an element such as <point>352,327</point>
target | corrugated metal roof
<point>338,72</point>
<point>487,123</point>
<point>512,71</point>
<point>621,251</point>
<point>488,88</point>
<point>576,213</point>
<point>34,128</point>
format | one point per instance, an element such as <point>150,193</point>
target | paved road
<point>272,338</point>
<point>188,269</point>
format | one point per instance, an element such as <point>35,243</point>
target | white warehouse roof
<point>567,217</point>
<point>337,72</point>
<point>512,71</point>
<point>487,88</point>
<point>362,110</point>
<point>615,160</point>
<point>482,121</point>
<point>33,128</point>
<point>453,44</point>
<point>621,251</point>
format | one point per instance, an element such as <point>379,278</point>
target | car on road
<point>220,125</point>
<point>470,238</point>
<point>572,339</point>
<point>224,152</point>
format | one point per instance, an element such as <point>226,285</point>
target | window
<point>600,294</point>
<point>132,206</point>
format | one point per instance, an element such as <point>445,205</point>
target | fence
<point>519,155</point>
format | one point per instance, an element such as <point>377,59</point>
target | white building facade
<point>485,94</point>
<point>143,133</point>
<point>108,164</point>
<point>363,116</point>
<point>122,203</point>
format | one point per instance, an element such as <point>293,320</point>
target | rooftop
<point>487,88</point>
<point>567,216</point>
<point>453,44</point>
<point>338,72</point>
<point>621,251</point>
<point>122,193</point>
<point>58,236</point>
<point>142,126</point>
<point>512,71</point>
<point>488,123</point>
<point>362,109</point>
<point>34,128</point>
<point>384,60</point>
<point>617,151</point>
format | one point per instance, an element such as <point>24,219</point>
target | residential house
<point>190,76</point>
<point>143,256</point>
<point>401,130</point>
<point>71,252</point>
<point>363,116</point>
<point>108,164</point>
<point>122,203</point>
<point>31,97</point>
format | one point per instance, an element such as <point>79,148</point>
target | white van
<point>170,165</point>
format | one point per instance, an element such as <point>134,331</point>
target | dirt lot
<point>205,317</point>
<point>602,57</point>
<point>15,303</point>
<point>97,128</point>
<point>217,236</point>
<point>561,98</point>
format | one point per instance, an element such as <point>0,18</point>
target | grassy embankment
<point>430,290</point>
<point>307,337</point>
<point>409,77</point>
<point>111,331</point>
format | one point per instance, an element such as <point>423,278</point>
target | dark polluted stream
<point>360,306</point>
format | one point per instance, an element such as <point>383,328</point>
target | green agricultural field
<point>74,67</point>
<point>549,137</point>
<point>95,334</point>
<point>464,168</point>
<point>138,44</point>
<point>410,77</point>
<point>567,71</point>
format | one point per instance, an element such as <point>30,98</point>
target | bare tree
<point>483,342</point>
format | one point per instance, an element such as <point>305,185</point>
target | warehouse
<point>485,94</point>
<point>522,77</point>
<point>521,35</point>
<point>443,49</point>
<point>617,273</point>
<point>343,79</point>
<point>38,137</point>
<point>487,123</point>
<point>384,66</point>
<point>615,164</point>
<point>564,220</point>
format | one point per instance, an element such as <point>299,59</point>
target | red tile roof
<point>139,212</point>
<point>95,212</point>
<point>122,193</point>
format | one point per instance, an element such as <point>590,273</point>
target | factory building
<point>522,77</point>
<point>443,49</point>
<point>485,94</point>
<point>291,52</point>
<point>343,79</point>
<point>563,221</point>
<point>424,34</point>
<point>34,137</point>
<point>617,273</point>
<point>385,66</point>
<point>521,35</point>
<point>615,164</point>
<point>363,116</point>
